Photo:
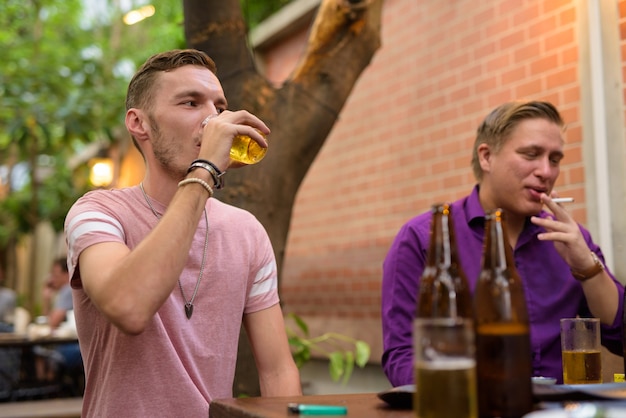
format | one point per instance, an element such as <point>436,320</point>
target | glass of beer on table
<point>580,348</point>
<point>445,368</point>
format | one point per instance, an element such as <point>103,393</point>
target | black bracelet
<point>216,175</point>
<point>219,172</point>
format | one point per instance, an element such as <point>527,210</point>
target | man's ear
<point>484,157</point>
<point>137,124</point>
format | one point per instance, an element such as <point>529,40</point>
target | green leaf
<point>301,357</point>
<point>295,341</point>
<point>336,365</point>
<point>362,353</point>
<point>300,323</point>
<point>349,367</point>
<point>256,11</point>
<point>300,352</point>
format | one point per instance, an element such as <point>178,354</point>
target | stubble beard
<point>165,151</point>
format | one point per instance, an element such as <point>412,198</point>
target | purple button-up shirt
<point>551,291</point>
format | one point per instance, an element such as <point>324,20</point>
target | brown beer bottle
<point>443,290</point>
<point>503,356</point>
<point>445,366</point>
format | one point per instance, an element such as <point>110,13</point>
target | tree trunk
<point>300,114</point>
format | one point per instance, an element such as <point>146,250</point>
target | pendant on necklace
<point>188,310</point>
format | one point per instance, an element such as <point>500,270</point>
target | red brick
<point>567,16</point>
<point>513,76</point>
<point>529,89</point>
<point>559,39</point>
<point>544,64</point>
<point>554,5</point>
<point>527,52</point>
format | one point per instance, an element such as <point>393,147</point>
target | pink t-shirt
<point>177,365</point>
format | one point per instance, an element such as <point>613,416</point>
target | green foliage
<point>63,78</point>
<point>341,359</point>
<point>255,11</point>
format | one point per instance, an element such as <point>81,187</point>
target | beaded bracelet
<point>199,181</point>
<point>215,173</point>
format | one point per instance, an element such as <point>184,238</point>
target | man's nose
<point>545,168</point>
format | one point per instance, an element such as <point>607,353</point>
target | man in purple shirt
<point>515,160</point>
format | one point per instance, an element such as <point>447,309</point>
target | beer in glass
<point>246,150</point>
<point>445,368</point>
<point>580,348</point>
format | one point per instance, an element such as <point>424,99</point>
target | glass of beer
<point>246,150</point>
<point>580,348</point>
<point>445,368</point>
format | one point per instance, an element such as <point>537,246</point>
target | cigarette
<point>563,199</point>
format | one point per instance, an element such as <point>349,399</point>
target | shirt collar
<point>473,208</point>
<point>475,217</point>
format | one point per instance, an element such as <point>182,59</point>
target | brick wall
<point>404,140</point>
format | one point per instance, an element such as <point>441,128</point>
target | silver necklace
<point>188,303</point>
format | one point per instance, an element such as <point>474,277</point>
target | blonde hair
<point>498,125</point>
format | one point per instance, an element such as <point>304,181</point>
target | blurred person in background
<point>57,294</point>
<point>57,306</point>
<point>9,357</point>
<point>8,302</point>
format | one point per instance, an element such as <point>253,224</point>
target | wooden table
<point>48,408</point>
<point>11,340</point>
<point>361,405</point>
<point>18,376</point>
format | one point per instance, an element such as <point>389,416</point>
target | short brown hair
<point>61,262</point>
<point>141,86</point>
<point>498,125</point>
